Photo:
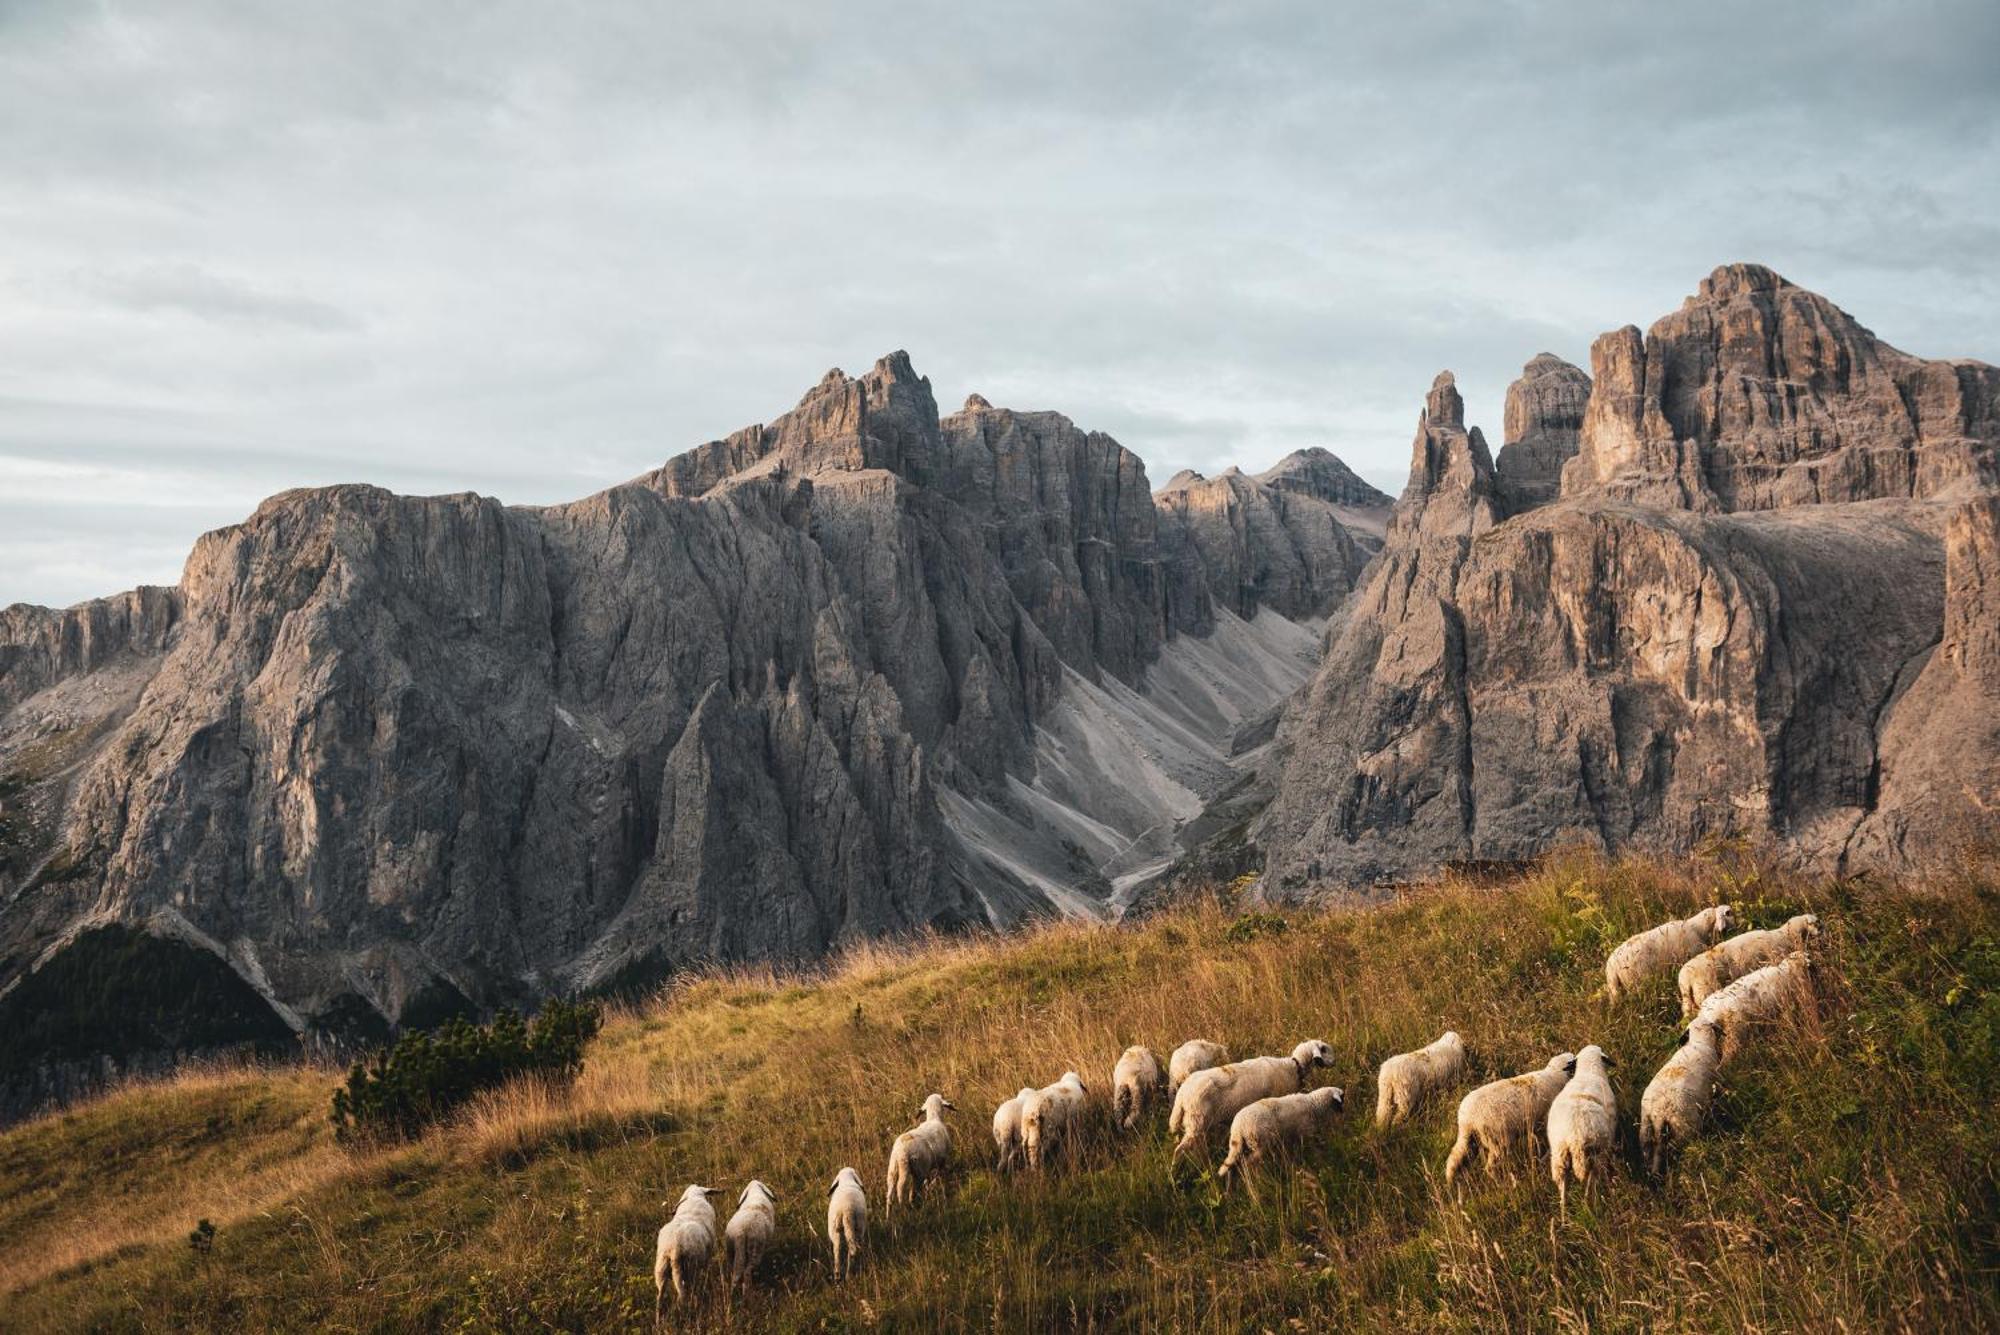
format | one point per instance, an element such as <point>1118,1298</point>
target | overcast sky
<point>532,249</point>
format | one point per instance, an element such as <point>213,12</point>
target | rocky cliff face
<point>1731,623</point>
<point>1293,539</point>
<point>1544,429</point>
<point>855,671</point>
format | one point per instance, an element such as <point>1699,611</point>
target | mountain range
<point>871,669</point>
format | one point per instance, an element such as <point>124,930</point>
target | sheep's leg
<point>1461,1150</point>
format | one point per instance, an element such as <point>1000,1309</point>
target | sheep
<point>686,1245</point>
<point>1497,1116</point>
<point>1408,1078</point>
<point>920,1153</point>
<point>1197,1054</point>
<point>1270,1127</point>
<point>1007,1130</point>
<point>1664,949</point>
<point>1676,1102</point>
<point>1209,1099</point>
<point>1136,1081</point>
<point>1583,1125</point>
<point>749,1232</point>
<point>846,1221</point>
<point>1759,997</point>
<point>1050,1116</point>
<point>1728,960</point>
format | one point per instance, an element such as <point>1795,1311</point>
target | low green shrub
<point>426,1075</point>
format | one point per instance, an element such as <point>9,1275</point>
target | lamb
<point>1760,997</point>
<point>685,1247</point>
<point>749,1232</point>
<point>1210,1099</point>
<point>1676,1103</point>
<point>1136,1081</point>
<point>1270,1127</point>
<point>1726,961</point>
<point>1583,1125</point>
<point>1664,949</point>
<point>846,1221</point>
<point>1007,1130</point>
<point>1498,1116</point>
<point>1408,1078</point>
<point>920,1153</point>
<point>1051,1116</point>
<point>1197,1054</point>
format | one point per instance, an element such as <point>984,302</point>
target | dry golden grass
<point>1850,1176</point>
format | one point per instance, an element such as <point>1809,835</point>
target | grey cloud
<point>529,252</point>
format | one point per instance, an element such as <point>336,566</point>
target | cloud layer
<point>530,250</point>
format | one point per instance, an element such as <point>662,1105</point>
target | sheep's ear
<point>1686,1034</point>
<point>1608,1059</point>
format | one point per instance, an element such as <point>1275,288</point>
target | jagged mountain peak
<point>1443,406</point>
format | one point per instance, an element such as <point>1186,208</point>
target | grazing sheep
<point>1270,1127</point>
<point>1498,1116</point>
<point>685,1247</point>
<point>846,1221</point>
<point>1136,1081</point>
<point>1676,1102</point>
<point>919,1154</point>
<point>1408,1078</point>
<point>1728,960</point>
<point>1664,949</point>
<point>1051,1116</point>
<point>749,1232</point>
<point>1197,1054</point>
<point>1209,1099</point>
<point>1762,996</point>
<point>1583,1125</point>
<point>1007,1130</point>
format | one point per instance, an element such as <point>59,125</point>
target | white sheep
<point>1726,961</point>
<point>1136,1081</point>
<point>1762,996</point>
<point>1051,1116</point>
<point>846,1221</point>
<point>1664,949</point>
<point>1007,1130</point>
<point>1496,1117</point>
<point>1583,1125</point>
<point>1210,1099</point>
<point>749,1232</point>
<point>1408,1078</point>
<point>919,1154</point>
<point>686,1245</point>
<point>1677,1100</point>
<point>1273,1126</point>
<point>1197,1054</point>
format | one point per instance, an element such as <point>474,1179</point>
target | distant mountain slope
<point>856,671</point>
<point>1762,605</point>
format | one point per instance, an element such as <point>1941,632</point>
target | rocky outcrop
<point>1758,394</point>
<point>1544,428</point>
<point>851,672</point>
<point>1935,786</point>
<point>1263,545</point>
<point>1731,623</point>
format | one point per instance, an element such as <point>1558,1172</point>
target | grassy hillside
<point>1850,1178</point>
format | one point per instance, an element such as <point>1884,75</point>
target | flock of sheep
<point>1730,986</point>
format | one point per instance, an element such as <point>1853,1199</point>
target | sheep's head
<point>1333,1095</point>
<point>1449,1039</point>
<point>1705,1025</point>
<point>1806,925</point>
<point>1722,918</point>
<point>1312,1052</point>
<point>1564,1062</point>
<point>936,1106</point>
<point>757,1189</point>
<point>1072,1078</point>
<point>846,1177</point>
<point>699,1193</point>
